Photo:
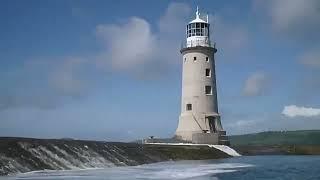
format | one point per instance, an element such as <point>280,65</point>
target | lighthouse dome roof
<point>198,20</point>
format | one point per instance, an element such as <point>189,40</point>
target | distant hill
<point>302,137</point>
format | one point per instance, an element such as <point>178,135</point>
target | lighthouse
<point>199,121</point>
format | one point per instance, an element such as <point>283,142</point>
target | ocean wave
<point>164,170</point>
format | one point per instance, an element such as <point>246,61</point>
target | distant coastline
<point>300,142</point>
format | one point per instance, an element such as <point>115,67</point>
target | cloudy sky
<point>112,70</point>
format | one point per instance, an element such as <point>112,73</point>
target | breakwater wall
<point>19,155</point>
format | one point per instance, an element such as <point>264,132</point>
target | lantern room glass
<point>197,29</point>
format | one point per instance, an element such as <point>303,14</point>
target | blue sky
<point>112,70</point>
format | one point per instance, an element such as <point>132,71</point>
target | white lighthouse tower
<point>199,121</point>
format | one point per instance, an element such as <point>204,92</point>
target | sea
<point>237,168</point>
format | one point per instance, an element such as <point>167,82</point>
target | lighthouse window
<point>205,32</point>
<point>207,59</point>
<point>208,90</point>
<point>197,29</point>
<point>189,107</point>
<point>194,58</point>
<point>197,32</point>
<point>208,73</point>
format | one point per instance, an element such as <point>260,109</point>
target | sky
<point>111,70</point>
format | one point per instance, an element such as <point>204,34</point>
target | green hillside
<point>303,137</point>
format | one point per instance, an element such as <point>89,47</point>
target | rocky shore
<point>18,155</point>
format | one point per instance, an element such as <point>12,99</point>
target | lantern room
<point>198,31</point>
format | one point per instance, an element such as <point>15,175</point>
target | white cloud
<point>296,19</point>
<point>230,37</point>
<point>256,84</point>
<point>128,45</point>
<point>171,32</point>
<point>294,111</point>
<point>288,14</point>
<point>175,19</point>
<point>133,46</point>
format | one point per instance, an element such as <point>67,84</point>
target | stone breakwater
<point>19,155</point>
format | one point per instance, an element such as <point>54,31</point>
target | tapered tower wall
<point>199,121</point>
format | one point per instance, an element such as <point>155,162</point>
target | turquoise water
<point>239,168</point>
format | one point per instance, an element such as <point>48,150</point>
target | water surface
<point>239,168</point>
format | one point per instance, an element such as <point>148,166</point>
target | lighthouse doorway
<point>212,123</point>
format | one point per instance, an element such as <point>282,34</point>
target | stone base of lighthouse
<point>204,129</point>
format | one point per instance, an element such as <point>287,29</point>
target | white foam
<point>226,149</point>
<point>186,169</point>
<point>163,170</point>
